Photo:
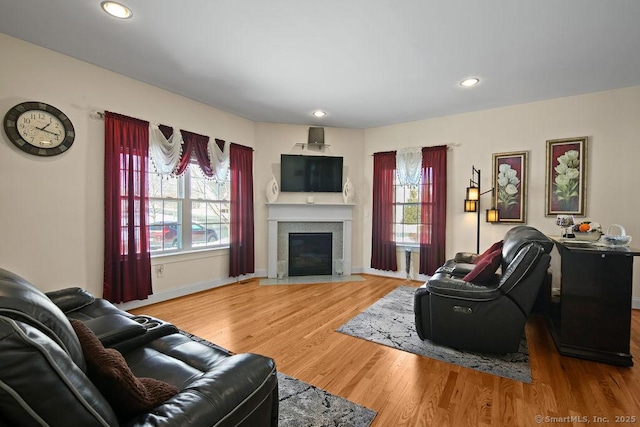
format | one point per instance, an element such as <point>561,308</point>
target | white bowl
<point>590,236</point>
<point>616,240</point>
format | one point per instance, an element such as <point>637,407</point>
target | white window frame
<point>397,222</point>
<point>184,217</point>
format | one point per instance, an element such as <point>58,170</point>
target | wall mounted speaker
<point>316,136</point>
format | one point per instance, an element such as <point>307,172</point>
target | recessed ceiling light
<point>319,113</point>
<point>470,82</point>
<point>116,9</point>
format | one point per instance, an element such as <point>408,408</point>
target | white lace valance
<point>409,165</point>
<point>164,153</point>
<point>219,160</point>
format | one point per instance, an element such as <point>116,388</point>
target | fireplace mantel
<point>309,213</point>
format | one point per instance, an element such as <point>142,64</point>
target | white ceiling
<point>366,63</point>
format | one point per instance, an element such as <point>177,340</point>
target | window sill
<point>413,247</point>
<point>192,254</point>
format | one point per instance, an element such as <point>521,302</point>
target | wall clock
<point>38,128</point>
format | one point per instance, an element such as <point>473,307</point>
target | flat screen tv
<point>317,174</point>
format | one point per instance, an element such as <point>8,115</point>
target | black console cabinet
<point>591,316</point>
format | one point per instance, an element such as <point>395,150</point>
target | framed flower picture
<point>566,178</point>
<point>510,186</point>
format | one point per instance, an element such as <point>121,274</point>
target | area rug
<point>302,404</point>
<point>390,321</point>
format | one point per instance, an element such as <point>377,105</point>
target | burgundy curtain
<point>241,249</point>
<point>383,247</point>
<point>194,144</point>
<point>127,262</point>
<point>433,208</point>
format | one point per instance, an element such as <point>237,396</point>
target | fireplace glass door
<point>310,254</point>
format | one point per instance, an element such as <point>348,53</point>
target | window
<point>187,212</point>
<point>130,198</point>
<point>406,213</point>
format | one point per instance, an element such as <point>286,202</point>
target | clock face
<point>39,128</point>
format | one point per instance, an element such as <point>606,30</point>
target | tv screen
<point>318,174</point>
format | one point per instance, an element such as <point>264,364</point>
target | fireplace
<point>310,254</point>
<point>286,218</point>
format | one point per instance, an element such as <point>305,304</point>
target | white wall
<point>610,119</point>
<point>51,209</point>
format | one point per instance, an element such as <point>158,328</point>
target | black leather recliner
<point>485,318</point>
<point>44,380</point>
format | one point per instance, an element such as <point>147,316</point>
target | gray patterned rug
<point>390,321</point>
<point>302,404</point>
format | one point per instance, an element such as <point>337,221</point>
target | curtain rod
<point>99,115</point>
<point>449,147</point>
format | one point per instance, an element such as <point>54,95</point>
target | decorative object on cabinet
<point>472,203</point>
<point>566,176</point>
<point>39,129</point>
<point>587,231</point>
<point>273,190</point>
<point>565,222</point>
<point>348,192</point>
<point>617,240</point>
<point>510,183</point>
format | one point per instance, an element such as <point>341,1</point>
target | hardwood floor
<point>295,325</point>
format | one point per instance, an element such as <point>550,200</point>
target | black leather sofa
<point>44,377</point>
<point>485,317</point>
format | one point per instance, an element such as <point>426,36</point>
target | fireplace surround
<point>285,218</point>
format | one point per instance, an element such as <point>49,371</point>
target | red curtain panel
<point>383,247</point>
<point>241,245</point>
<point>433,209</point>
<point>127,262</point>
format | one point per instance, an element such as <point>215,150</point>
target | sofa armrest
<point>466,257</point>
<point>114,328</point>
<point>241,390</point>
<point>457,269</point>
<point>70,299</point>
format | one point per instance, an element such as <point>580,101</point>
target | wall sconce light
<point>472,203</point>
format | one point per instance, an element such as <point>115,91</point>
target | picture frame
<point>510,186</point>
<point>566,176</point>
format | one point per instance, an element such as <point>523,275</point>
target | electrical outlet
<point>160,270</point>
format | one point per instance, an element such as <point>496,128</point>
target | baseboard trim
<point>635,303</point>
<point>396,274</point>
<point>183,291</point>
